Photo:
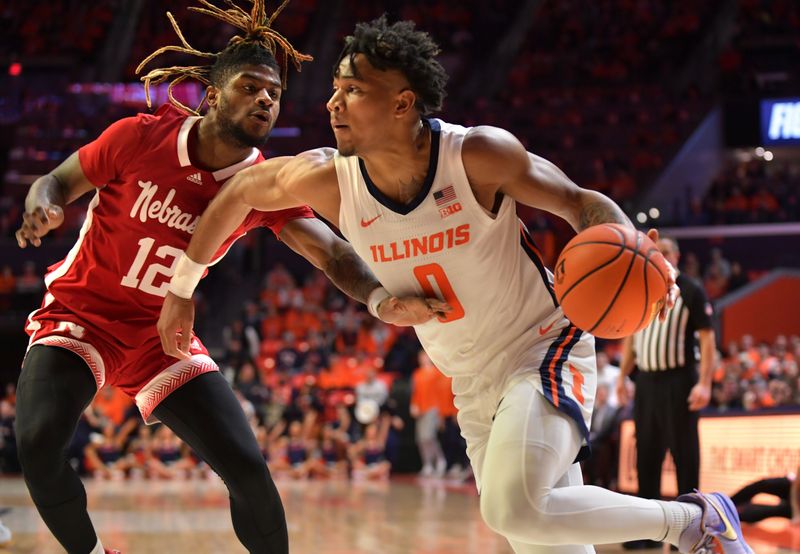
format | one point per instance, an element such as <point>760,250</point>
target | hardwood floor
<point>334,517</point>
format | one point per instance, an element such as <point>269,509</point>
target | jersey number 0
<point>424,274</point>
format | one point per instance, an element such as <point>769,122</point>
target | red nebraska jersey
<point>146,207</point>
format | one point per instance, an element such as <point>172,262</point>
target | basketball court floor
<point>402,516</point>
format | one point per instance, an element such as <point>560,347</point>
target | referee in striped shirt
<point>669,392</point>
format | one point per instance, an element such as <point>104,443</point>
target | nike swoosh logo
<point>369,222</point>
<point>730,532</point>
<point>544,330</point>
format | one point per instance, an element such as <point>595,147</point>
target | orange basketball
<point>610,280</point>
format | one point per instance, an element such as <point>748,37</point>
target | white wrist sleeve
<point>187,274</point>
<point>377,296</point>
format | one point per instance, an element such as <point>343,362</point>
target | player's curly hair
<point>257,45</point>
<point>401,47</point>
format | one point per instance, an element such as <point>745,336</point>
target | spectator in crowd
<point>425,393</point>
<point>104,455</point>
<point>8,445</point>
<point>248,383</point>
<point>753,191</point>
<point>140,452</point>
<point>330,459</point>
<point>10,393</point>
<point>372,388</point>
<point>453,444</point>
<point>368,455</point>
<point>8,287</point>
<point>294,459</point>
<point>608,374</point>
<point>737,279</point>
<point>170,458</point>
<point>246,339</point>
<point>720,263</point>
<point>600,468</point>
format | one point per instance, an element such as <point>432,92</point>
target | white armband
<point>187,274</point>
<point>374,299</point>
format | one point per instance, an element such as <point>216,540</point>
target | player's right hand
<point>411,310</point>
<point>175,326</point>
<point>38,223</point>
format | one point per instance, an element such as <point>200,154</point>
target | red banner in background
<point>734,451</point>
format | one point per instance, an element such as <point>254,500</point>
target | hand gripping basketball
<point>611,280</point>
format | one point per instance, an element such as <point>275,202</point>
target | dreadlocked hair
<point>401,47</point>
<point>256,45</point>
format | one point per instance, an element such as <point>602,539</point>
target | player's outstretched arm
<point>47,197</point>
<point>317,243</point>
<point>252,188</point>
<point>497,163</point>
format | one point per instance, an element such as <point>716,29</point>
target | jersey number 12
<point>146,283</point>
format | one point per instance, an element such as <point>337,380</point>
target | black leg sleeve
<point>776,486</point>
<point>53,390</point>
<point>753,513</point>
<point>207,416</point>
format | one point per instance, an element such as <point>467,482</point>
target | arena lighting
<point>759,151</point>
<point>15,69</point>
<point>654,213</point>
<point>283,132</point>
<point>641,217</point>
<point>768,155</point>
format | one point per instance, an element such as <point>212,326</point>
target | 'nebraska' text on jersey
<point>142,216</point>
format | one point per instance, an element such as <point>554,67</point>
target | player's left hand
<point>175,326</point>
<point>672,288</point>
<point>411,310</point>
<point>699,397</point>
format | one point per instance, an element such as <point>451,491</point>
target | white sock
<point>679,516</point>
<point>98,548</point>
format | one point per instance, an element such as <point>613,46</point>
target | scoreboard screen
<point>780,122</point>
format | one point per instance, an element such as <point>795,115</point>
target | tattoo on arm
<point>351,275</point>
<point>594,213</point>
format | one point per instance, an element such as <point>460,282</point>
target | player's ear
<point>405,102</point>
<point>212,96</point>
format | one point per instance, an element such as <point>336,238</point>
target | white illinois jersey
<point>505,319</point>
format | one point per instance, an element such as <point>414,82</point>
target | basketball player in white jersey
<point>430,207</point>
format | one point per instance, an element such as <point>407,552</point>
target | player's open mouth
<point>261,116</point>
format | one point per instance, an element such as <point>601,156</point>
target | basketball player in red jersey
<point>431,206</point>
<point>152,177</point>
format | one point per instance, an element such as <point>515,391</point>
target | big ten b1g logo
<point>447,211</point>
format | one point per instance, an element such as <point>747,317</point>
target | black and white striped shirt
<point>672,343</point>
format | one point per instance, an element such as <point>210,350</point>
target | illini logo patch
<point>560,272</point>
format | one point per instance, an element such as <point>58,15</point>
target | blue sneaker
<point>717,531</point>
